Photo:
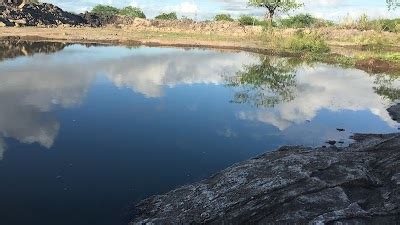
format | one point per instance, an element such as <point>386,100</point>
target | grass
<point>307,42</point>
<point>364,23</point>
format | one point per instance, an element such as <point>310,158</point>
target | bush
<point>133,12</point>
<point>308,42</point>
<point>167,16</point>
<point>304,21</point>
<point>364,23</point>
<point>223,17</point>
<point>299,21</point>
<point>389,25</point>
<point>247,20</point>
<point>105,10</point>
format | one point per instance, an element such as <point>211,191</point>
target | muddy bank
<point>357,184</point>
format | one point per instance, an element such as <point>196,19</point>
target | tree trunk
<point>271,14</point>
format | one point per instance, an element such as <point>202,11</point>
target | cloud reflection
<point>32,88</point>
<point>325,87</point>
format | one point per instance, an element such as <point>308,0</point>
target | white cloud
<point>184,8</point>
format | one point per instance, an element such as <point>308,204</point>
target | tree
<point>392,4</point>
<point>105,10</point>
<point>133,12</point>
<point>274,6</point>
<point>167,16</point>
<point>223,17</point>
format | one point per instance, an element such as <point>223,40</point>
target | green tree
<point>274,6</point>
<point>167,16</point>
<point>133,12</point>
<point>223,17</point>
<point>392,4</point>
<point>105,10</point>
<point>265,84</point>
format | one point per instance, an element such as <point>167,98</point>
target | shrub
<point>364,23</point>
<point>223,17</point>
<point>389,25</point>
<point>308,42</point>
<point>247,20</point>
<point>132,12</point>
<point>167,16</point>
<point>105,10</point>
<point>299,21</point>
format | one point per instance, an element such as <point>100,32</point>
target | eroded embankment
<point>293,185</point>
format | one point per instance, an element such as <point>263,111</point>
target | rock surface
<point>394,112</point>
<point>43,14</point>
<point>359,184</point>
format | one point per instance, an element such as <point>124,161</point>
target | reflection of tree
<point>265,84</point>
<point>385,87</point>
<point>13,48</point>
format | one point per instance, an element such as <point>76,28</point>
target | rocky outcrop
<point>359,184</point>
<point>394,112</point>
<point>38,15</point>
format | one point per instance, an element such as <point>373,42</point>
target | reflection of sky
<point>33,87</point>
<point>325,87</point>
<point>127,123</point>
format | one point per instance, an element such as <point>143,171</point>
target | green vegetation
<point>304,21</point>
<point>310,42</point>
<point>105,10</point>
<point>246,20</point>
<point>393,4</point>
<point>364,23</point>
<point>223,17</point>
<point>133,12</point>
<point>128,11</point>
<point>167,16</point>
<point>274,6</point>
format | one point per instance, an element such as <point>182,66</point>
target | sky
<point>205,9</point>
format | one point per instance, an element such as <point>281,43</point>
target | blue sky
<point>205,9</point>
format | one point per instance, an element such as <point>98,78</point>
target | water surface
<point>86,131</point>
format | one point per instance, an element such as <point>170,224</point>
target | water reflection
<point>127,123</point>
<point>289,93</point>
<point>32,88</point>
<point>266,84</point>
<point>13,48</point>
<point>386,86</point>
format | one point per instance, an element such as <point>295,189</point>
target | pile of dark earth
<point>358,184</point>
<point>46,15</point>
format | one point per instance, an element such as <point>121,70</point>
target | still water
<point>87,131</point>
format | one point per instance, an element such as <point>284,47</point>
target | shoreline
<point>342,53</point>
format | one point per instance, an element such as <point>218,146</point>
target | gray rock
<point>394,112</point>
<point>359,184</point>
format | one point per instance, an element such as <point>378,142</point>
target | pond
<point>86,131</point>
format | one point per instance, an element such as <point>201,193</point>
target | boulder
<point>359,184</point>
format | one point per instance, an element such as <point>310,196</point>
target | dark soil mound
<point>38,14</point>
